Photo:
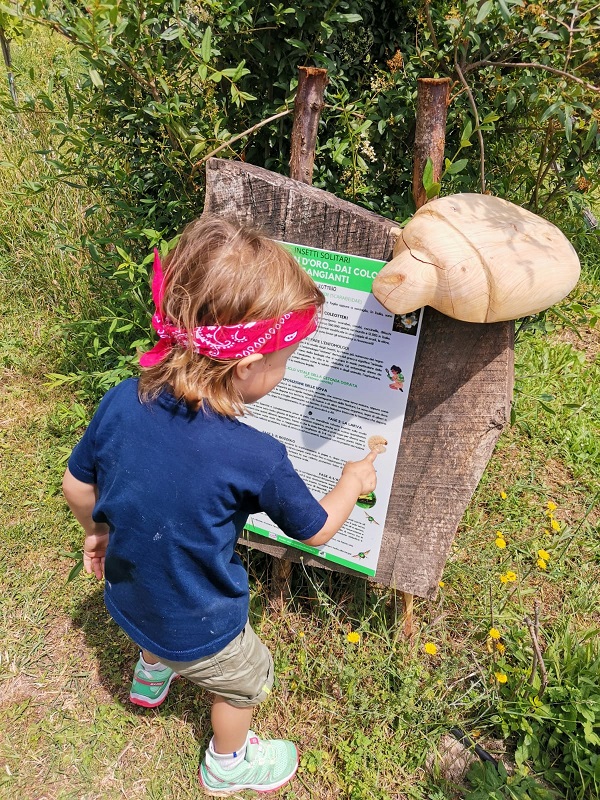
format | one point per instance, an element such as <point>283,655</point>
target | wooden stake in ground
<point>307,112</point>
<point>430,141</point>
<point>430,133</point>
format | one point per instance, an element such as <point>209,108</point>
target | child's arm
<point>81,498</point>
<point>358,477</point>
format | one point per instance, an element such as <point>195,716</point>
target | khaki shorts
<point>241,673</point>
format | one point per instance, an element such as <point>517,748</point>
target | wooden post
<point>408,602</point>
<point>430,142</point>
<point>307,112</point>
<point>430,133</point>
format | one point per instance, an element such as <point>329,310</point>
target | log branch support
<point>430,133</point>
<point>307,112</point>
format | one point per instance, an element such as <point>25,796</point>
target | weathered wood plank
<point>461,387</point>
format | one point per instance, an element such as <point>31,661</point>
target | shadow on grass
<point>318,595</point>
<point>116,656</point>
<point>321,594</point>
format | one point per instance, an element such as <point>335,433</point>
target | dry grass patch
<point>585,340</point>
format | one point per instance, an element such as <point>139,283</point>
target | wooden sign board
<point>461,388</point>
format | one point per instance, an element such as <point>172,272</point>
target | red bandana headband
<point>225,341</point>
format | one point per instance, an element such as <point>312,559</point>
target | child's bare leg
<point>149,658</point>
<point>233,762</point>
<point>230,725</point>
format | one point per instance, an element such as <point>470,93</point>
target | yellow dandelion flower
<point>501,677</point>
<point>500,647</point>
<point>430,648</point>
<point>503,578</point>
<point>500,543</point>
<point>441,584</point>
<point>499,535</point>
<point>301,634</point>
<point>551,506</point>
<point>511,576</point>
<point>353,637</point>
<point>541,563</point>
<point>503,495</point>
<point>555,524</point>
<point>544,555</point>
<point>494,633</point>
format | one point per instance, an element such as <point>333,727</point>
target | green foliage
<point>11,22</point>
<point>162,84</point>
<point>77,557</point>
<point>66,726</point>
<point>557,728</point>
<point>156,87</point>
<point>489,783</point>
<point>432,188</point>
<point>531,69</point>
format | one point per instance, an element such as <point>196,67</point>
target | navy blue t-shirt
<point>176,487</point>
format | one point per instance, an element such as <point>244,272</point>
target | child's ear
<point>246,366</point>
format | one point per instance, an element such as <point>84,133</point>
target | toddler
<point>166,475</point>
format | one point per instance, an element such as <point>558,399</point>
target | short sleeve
<point>288,502</point>
<point>82,461</point>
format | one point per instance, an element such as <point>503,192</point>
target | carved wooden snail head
<point>477,258</point>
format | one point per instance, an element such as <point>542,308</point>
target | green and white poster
<point>345,390</point>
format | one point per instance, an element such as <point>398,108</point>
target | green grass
<point>364,714</point>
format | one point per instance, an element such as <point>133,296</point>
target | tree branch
<point>473,105</point>
<point>239,136</point>
<point>537,655</point>
<point>541,171</point>
<point>7,60</point>
<point>494,54</point>
<point>544,67</point>
<point>571,29</point>
<point>434,39</point>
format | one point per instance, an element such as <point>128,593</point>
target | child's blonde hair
<point>221,273</point>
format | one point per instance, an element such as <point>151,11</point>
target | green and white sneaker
<point>266,766</point>
<point>150,687</point>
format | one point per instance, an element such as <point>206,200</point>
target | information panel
<point>344,393</point>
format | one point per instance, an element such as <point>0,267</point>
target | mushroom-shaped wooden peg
<point>477,258</point>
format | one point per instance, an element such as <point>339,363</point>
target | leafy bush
<point>161,85</point>
<point>559,732</point>
<point>489,783</point>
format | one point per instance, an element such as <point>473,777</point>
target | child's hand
<point>358,477</point>
<point>94,550</point>
<point>364,472</point>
